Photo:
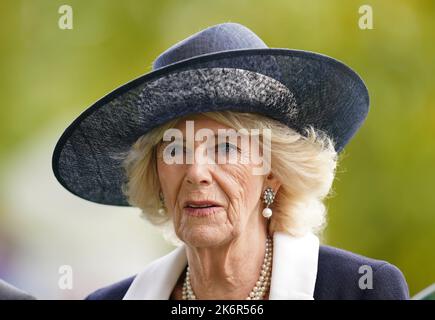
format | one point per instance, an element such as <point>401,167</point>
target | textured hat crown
<point>221,37</point>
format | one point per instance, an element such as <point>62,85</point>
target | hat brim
<point>298,88</point>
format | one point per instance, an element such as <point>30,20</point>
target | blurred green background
<point>384,203</point>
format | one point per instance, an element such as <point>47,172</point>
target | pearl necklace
<point>260,288</point>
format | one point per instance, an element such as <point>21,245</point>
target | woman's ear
<point>273,182</point>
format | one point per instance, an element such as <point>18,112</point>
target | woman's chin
<point>201,238</point>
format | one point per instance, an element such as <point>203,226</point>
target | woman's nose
<point>199,171</point>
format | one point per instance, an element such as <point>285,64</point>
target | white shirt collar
<point>294,271</point>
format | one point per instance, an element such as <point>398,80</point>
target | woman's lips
<point>202,212</point>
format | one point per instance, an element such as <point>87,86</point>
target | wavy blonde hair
<point>304,164</point>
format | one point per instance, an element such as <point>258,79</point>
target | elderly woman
<point>232,147</point>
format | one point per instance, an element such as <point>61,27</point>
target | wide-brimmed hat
<point>224,67</point>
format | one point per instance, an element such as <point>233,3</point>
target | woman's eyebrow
<point>163,142</point>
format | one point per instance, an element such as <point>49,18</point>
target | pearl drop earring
<point>268,197</point>
<point>162,209</point>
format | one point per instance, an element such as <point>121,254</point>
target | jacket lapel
<point>294,267</point>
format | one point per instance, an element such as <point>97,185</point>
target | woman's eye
<point>176,150</point>
<point>181,150</point>
<point>227,147</point>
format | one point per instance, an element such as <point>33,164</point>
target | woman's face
<point>231,190</point>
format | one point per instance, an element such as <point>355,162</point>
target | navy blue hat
<point>224,67</point>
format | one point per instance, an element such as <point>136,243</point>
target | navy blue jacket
<point>338,278</point>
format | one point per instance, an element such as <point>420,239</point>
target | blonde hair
<point>304,164</point>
